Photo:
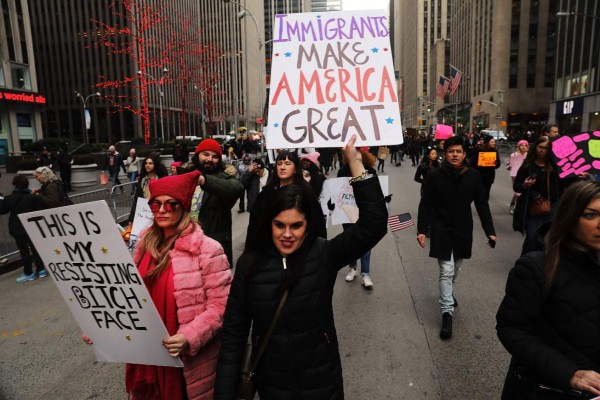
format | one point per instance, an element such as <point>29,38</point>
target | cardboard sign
<point>577,154</point>
<point>443,132</point>
<point>143,218</point>
<point>339,192</point>
<point>486,159</point>
<point>84,254</point>
<point>332,77</point>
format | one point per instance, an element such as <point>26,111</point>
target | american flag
<point>455,76</point>
<point>401,221</point>
<point>442,86</point>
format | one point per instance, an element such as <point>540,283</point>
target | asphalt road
<point>388,337</point>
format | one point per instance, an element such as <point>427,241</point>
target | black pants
<point>24,245</point>
<point>65,176</point>
<point>242,199</point>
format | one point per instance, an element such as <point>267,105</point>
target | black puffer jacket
<point>550,337</point>
<point>302,359</point>
<point>19,202</point>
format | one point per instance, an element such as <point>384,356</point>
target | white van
<point>498,135</point>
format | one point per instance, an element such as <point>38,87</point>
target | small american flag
<point>442,86</point>
<point>455,77</point>
<point>401,221</point>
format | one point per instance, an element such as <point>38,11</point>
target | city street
<point>388,337</point>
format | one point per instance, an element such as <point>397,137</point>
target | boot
<point>446,331</point>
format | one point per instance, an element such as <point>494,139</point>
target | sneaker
<point>512,208</point>
<point>351,275</point>
<point>367,282</point>
<point>42,274</point>
<point>26,278</point>
<point>446,331</point>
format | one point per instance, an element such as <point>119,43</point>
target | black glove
<point>330,205</point>
<point>388,198</point>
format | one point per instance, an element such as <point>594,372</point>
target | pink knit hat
<point>523,142</point>
<point>312,157</point>
<point>180,187</point>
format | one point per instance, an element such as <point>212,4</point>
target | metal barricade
<point>121,199</point>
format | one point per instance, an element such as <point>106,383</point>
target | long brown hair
<point>532,154</point>
<point>159,246</point>
<point>560,236</point>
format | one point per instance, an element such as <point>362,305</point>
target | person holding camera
<point>254,179</point>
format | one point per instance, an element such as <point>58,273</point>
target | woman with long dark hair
<point>301,359</point>
<point>152,169</point>
<point>549,318</point>
<point>488,172</point>
<point>428,163</point>
<point>537,179</point>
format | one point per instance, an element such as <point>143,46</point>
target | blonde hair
<point>160,246</point>
<point>47,174</point>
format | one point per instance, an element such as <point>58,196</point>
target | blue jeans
<point>365,259</point>
<point>448,273</point>
<point>133,180</point>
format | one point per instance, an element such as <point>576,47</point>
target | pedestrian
<point>514,163</point>
<point>216,193</point>
<point>548,320</point>
<point>312,173</point>
<point>326,159</point>
<point>131,163</point>
<point>382,155</point>
<point>368,161</point>
<point>153,169</point>
<point>52,193</point>
<point>22,201</point>
<point>113,162</point>
<point>242,169</point>
<point>174,167</point>
<point>188,278</point>
<point>445,206</point>
<point>550,130</point>
<point>487,172</point>
<point>64,161</point>
<point>428,164</point>
<point>254,180</point>
<point>287,171</point>
<point>301,359</point>
<point>180,152</point>
<point>537,182</point>
<point>45,159</point>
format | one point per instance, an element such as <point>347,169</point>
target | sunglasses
<point>169,206</point>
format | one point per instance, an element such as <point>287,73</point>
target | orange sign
<point>487,159</point>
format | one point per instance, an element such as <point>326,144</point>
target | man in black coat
<point>446,207</point>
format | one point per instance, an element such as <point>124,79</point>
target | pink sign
<point>443,132</point>
<point>577,154</point>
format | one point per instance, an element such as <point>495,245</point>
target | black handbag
<point>247,386</point>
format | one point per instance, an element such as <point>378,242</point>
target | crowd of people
<point>280,297</point>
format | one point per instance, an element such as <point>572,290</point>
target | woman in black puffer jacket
<point>302,359</point>
<point>549,319</point>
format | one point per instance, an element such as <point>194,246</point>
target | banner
<point>338,203</point>
<point>332,76</point>
<point>577,154</point>
<point>84,254</point>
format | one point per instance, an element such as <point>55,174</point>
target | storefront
<point>575,115</point>
<point>20,122</point>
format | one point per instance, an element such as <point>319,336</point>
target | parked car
<point>498,135</point>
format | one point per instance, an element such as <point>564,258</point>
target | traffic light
<point>428,108</point>
<point>478,106</point>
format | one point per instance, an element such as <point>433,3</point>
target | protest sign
<point>142,219</point>
<point>486,159</point>
<point>84,254</point>
<point>443,132</point>
<point>577,154</point>
<point>338,193</point>
<point>332,76</point>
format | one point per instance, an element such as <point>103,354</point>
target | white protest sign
<point>332,77</point>
<point>142,219</point>
<point>84,254</point>
<point>340,194</point>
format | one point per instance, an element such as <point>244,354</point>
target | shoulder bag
<point>247,387</point>
<point>540,206</point>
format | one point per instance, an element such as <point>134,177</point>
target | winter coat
<point>550,336</point>
<point>446,207</point>
<point>201,278</point>
<point>52,194</point>
<point>117,163</point>
<point>221,192</point>
<point>251,182</point>
<point>540,188</point>
<point>302,359</point>
<point>19,202</point>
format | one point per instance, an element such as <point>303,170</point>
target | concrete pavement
<point>388,337</point>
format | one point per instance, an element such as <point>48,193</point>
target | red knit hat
<point>180,187</point>
<point>210,145</point>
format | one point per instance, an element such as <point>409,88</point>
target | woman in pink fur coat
<point>188,277</point>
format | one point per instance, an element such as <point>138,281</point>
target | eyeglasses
<point>454,151</point>
<point>169,206</point>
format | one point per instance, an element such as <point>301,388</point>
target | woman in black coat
<point>488,173</point>
<point>302,359</point>
<point>429,163</point>
<point>550,316</point>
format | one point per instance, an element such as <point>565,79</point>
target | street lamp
<point>160,100</point>
<point>201,109</point>
<point>83,103</point>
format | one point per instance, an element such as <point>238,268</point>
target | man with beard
<point>446,206</point>
<point>217,192</point>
